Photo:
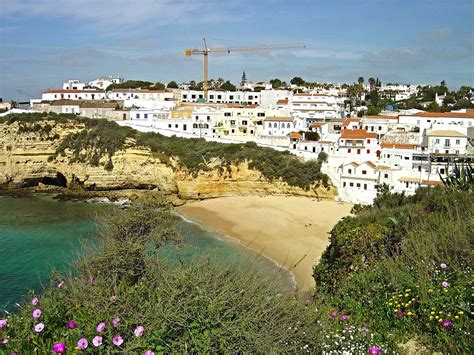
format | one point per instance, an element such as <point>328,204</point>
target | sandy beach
<point>292,231</point>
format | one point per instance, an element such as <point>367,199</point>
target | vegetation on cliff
<point>403,269</point>
<point>126,297</point>
<point>101,138</point>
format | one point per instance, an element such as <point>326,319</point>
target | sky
<point>43,43</point>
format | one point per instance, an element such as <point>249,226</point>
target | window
<point>380,128</point>
<point>349,171</point>
<point>269,125</point>
<point>386,176</point>
<point>211,97</point>
<point>457,151</point>
<point>349,150</point>
<point>441,171</point>
<point>261,114</point>
<point>446,142</point>
<point>195,125</point>
<point>145,115</point>
<point>365,186</point>
<point>368,141</point>
<point>407,158</point>
<point>227,114</point>
<point>288,126</point>
<point>358,185</point>
<point>169,126</point>
<point>364,172</point>
<point>458,141</point>
<point>176,125</point>
<point>219,97</point>
<point>275,125</point>
<point>193,96</point>
<point>251,131</point>
<point>344,184</point>
<point>197,118</point>
<point>208,118</point>
<point>231,97</point>
<point>244,122</point>
<point>233,130</point>
<point>232,122</point>
<point>368,151</point>
<point>245,131</point>
<point>437,141</point>
<point>138,115</point>
<point>351,184</point>
<point>184,127</point>
<point>358,151</point>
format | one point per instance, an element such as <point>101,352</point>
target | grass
<point>193,306</point>
<point>387,267</point>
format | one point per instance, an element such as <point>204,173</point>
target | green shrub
<point>188,306</point>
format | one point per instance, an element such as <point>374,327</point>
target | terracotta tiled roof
<point>398,145</point>
<point>282,102</point>
<point>71,91</point>
<point>382,116</point>
<point>137,91</point>
<point>317,124</point>
<point>284,119</point>
<point>311,95</point>
<point>296,135</point>
<point>445,133</point>
<point>431,182</point>
<point>372,165</point>
<point>468,114</point>
<point>357,134</point>
<point>349,121</point>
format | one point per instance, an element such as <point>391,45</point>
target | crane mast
<point>205,53</point>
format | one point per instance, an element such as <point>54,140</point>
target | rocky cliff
<point>26,159</point>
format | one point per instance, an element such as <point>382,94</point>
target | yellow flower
<point>449,314</point>
<point>461,312</point>
<point>390,303</point>
<point>395,310</point>
<point>407,294</point>
<point>440,312</point>
<point>409,313</point>
<point>430,290</point>
<point>432,312</point>
<point>440,320</point>
<point>445,290</point>
<point>431,317</point>
<point>437,317</point>
<point>408,290</point>
<point>400,295</point>
<point>433,309</point>
<point>412,299</point>
<point>456,317</point>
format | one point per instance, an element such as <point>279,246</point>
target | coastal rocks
<point>26,160</point>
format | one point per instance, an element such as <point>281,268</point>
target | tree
<point>276,83</point>
<point>228,86</point>
<point>372,83</point>
<point>433,107</point>
<point>158,86</point>
<point>297,81</point>
<point>172,85</point>
<point>443,83</point>
<point>448,99</point>
<point>360,80</point>
<point>192,85</point>
<point>244,79</point>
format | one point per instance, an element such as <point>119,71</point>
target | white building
<point>103,83</point>
<point>358,182</point>
<point>446,142</point>
<point>52,95</point>
<point>278,126</point>
<point>73,85</point>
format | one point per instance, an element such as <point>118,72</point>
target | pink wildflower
<point>445,284</point>
<point>374,350</point>
<point>400,314</point>
<point>34,301</point>
<point>82,343</point>
<point>72,325</point>
<point>149,352</point>
<point>443,266</point>
<point>3,323</point>
<point>100,327</point>
<point>39,327</point>
<point>139,331</point>
<point>97,341</point>
<point>334,314</point>
<point>36,313</point>
<point>117,340</point>
<point>345,317</point>
<point>59,348</point>
<point>115,322</point>
<point>446,324</point>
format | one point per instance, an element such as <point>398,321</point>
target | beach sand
<point>293,231</point>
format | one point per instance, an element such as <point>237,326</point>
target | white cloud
<point>117,16</point>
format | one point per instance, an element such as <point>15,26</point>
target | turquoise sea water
<point>38,233</point>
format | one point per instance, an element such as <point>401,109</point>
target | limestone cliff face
<point>25,161</point>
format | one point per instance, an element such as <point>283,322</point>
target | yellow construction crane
<point>205,52</point>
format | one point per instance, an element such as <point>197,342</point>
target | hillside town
<point>370,135</point>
